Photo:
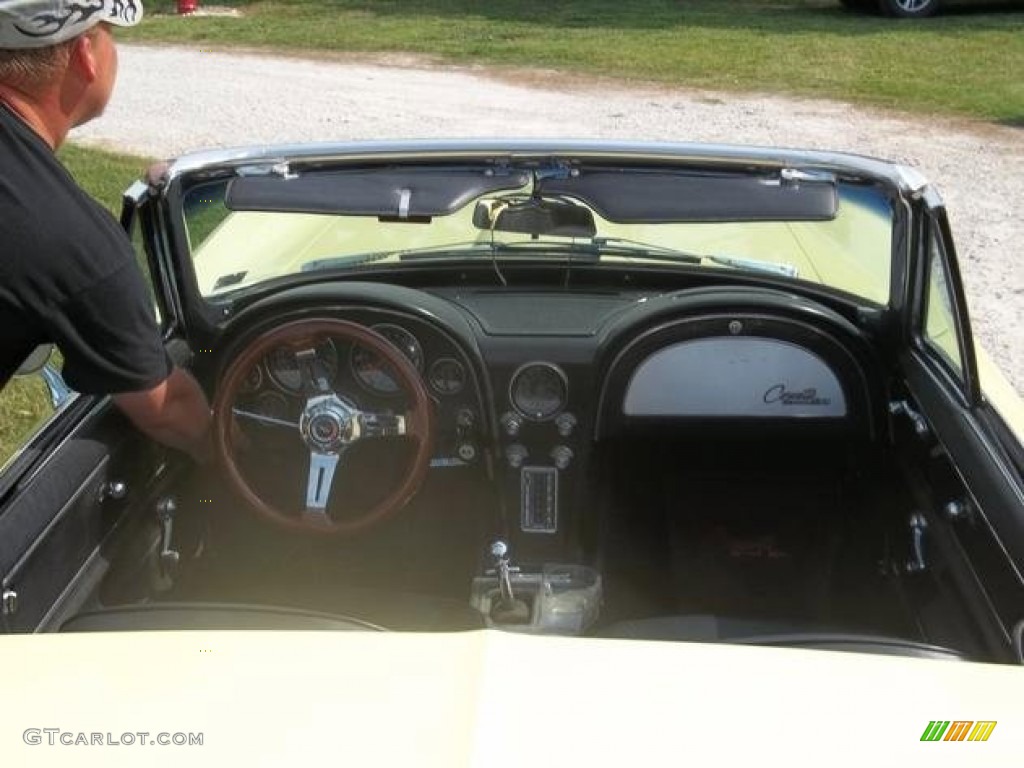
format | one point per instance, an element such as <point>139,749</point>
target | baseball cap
<point>39,23</point>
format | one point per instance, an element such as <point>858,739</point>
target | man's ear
<point>83,61</point>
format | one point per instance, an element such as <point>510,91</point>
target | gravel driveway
<point>170,100</point>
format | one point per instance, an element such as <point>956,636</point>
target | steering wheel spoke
<point>322,467</point>
<point>264,419</point>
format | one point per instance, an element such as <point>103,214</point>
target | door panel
<point>54,512</point>
<point>58,513</point>
<point>976,488</point>
<point>982,476</point>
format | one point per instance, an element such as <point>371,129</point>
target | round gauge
<point>539,391</point>
<point>253,380</point>
<point>372,372</point>
<point>447,376</point>
<point>283,366</point>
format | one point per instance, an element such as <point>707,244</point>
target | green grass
<point>24,405</point>
<point>968,62</point>
<point>104,175</point>
<point>24,402</point>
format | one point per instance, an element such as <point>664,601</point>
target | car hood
<point>490,699</point>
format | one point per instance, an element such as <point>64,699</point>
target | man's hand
<point>174,412</point>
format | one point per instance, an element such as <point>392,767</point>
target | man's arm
<point>175,412</point>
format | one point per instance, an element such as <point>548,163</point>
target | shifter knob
<point>503,570</point>
<point>499,549</point>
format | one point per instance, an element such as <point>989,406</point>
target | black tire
<point>909,9</point>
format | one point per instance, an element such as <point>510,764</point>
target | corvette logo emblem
<point>809,396</point>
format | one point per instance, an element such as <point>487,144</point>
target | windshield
<point>849,249</point>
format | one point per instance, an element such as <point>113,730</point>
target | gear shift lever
<point>507,610</point>
<point>502,566</point>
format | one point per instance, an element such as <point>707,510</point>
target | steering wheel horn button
<point>329,425</point>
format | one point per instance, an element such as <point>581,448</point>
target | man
<point>67,270</point>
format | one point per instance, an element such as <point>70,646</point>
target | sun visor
<point>400,194</point>
<point>635,196</point>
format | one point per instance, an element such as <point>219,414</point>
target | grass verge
<point>967,62</point>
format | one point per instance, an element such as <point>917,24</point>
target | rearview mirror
<point>535,216</point>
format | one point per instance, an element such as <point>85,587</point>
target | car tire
<point>909,9</point>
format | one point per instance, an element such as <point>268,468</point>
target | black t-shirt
<point>68,275</point>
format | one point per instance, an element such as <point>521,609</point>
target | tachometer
<point>372,372</point>
<point>284,368</point>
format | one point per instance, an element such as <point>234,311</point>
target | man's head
<point>59,56</point>
<point>30,24</point>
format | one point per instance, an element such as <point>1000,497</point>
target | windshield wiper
<point>771,267</point>
<point>592,249</point>
<point>353,259</point>
<point>647,250</point>
<point>349,260</point>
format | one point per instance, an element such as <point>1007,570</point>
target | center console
<point>555,598</point>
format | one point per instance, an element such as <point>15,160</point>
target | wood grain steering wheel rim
<point>306,334</point>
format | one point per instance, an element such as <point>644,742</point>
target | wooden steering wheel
<point>329,425</point>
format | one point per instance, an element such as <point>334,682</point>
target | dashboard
<point>525,384</point>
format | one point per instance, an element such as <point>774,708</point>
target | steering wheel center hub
<point>328,424</point>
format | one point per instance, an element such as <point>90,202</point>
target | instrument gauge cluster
<point>275,386</point>
<point>539,391</point>
<point>447,376</point>
<point>283,366</point>
<point>372,372</point>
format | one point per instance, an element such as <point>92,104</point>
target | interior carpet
<point>758,545</point>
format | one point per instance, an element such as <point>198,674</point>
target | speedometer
<point>372,372</point>
<point>283,366</point>
<point>539,391</point>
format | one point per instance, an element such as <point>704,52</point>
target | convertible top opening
<point>660,392</point>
